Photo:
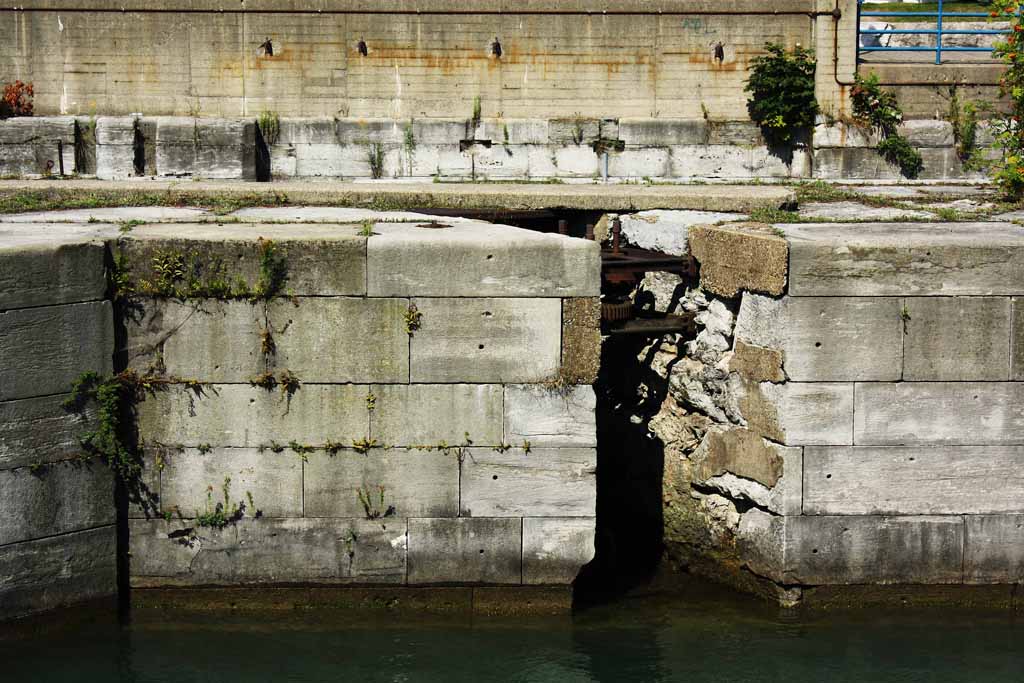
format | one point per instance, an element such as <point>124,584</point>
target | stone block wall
<point>57,513</point>
<point>441,430</point>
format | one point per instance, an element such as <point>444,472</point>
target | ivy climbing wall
<point>330,406</point>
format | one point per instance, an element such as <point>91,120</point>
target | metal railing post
<point>938,37</point>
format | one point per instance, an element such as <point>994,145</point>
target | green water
<point>651,639</point>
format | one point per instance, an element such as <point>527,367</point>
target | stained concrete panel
<point>267,551</point>
<point>192,481</point>
<point>429,414</point>
<point>40,430</point>
<point>479,260</point>
<point>550,418</point>
<point>339,339</point>
<point>951,413</point>
<point>54,572</point>
<point>416,483</point>
<point>43,350</point>
<point>544,482</point>
<point>911,259</point>
<point>243,415</point>
<point>555,549</point>
<point>994,549</point>
<point>801,413</point>
<point>931,480</point>
<point>957,339</point>
<point>47,274</point>
<point>204,339</point>
<point>487,340</point>
<point>57,499</point>
<point>827,339</point>
<point>466,551</point>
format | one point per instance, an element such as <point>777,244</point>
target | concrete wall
<point>871,413</point>
<point>479,424</point>
<point>57,536</point>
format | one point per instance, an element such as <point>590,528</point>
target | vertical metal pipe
<point>938,37</point>
<point>60,156</point>
<point>616,233</point>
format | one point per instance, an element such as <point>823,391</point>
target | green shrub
<point>878,110</point>
<point>781,87</point>
<point>898,151</point>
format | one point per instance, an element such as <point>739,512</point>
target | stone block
<point>192,481</point>
<point>994,549</point>
<point>40,430</point>
<point>932,480</point>
<point>867,163</point>
<point>416,483</point>
<point>245,416</point>
<point>441,131</point>
<point>480,260</point>
<point>341,339</point>
<point>427,414</point>
<point>800,414</point>
<point>668,231</point>
<point>543,482</point>
<point>649,162</point>
<point>656,132</point>
<point>571,161</point>
<point>848,550</point>
<point>59,498</point>
<point>206,148</point>
<point>827,339</point>
<point>56,572</point>
<point>269,551</point>
<point>1017,341</point>
<point>48,274</point>
<point>956,339</point>
<point>740,257</point>
<point>581,340</point>
<point>551,418</point>
<point>43,350</point>
<point>928,133</point>
<point>905,259</point>
<point>487,340</point>
<point>574,131</point>
<point>498,161</point>
<point>115,147</point>
<point>204,339</point>
<point>514,131</point>
<point>365,131</point>
<point>555,549</point>
<point>842,134</point>
<point>30,145</point>
<point>319,260</point>
<point>465,551</point>
<point>739,133</point>
<point>950,413</point>
<point>740,465</point>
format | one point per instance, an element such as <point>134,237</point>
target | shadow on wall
<point>630,473</point>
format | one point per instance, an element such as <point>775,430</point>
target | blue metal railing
<point>939,31</point>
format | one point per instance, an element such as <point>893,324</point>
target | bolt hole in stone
<point>814,551</point>
<point>481,551</point>
<point>912,460</point>
<point>495,477</point>
<point>481,347</point>
<point>490,256</point>
<point>828,476</point>
<point>817,345</point>
<point>487,314</point>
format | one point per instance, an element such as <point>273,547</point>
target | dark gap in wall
<point>85,147</point>
<point>262,158</point>
<point>540,220</point>
<point>139,147</point>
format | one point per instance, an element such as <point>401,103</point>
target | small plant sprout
<point>526,447</point>
<point>302,449</point>
<point>204,448</point>
<point>413,318</point>
<point>265,381</point>
<point>371,401</point>
<point>127,226</point>
<point>270,127</point>
<point>333,447</point>
<point>375,158</point>
<point>905,317</point>
<point>289,383</point>
<point>373,505</point>
<point>366,228</point>
<point>267,344</point>
<point>363,446</point>
<point>221,514</point>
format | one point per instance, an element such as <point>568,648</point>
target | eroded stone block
<point>478,550</point>
<point>57,499</point>
<point>581,340</point>
<point>428,414</point>
<point>544,482</point>
<point>555,549</point>
<point>41,430</point>
<point>956,339</point>
<point>740,257</point>
<point>799,414</point>
<point>45,274</point>
<point>550,418</point>
<point>994,549</point>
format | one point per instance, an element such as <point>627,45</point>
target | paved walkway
<point>612,197</point>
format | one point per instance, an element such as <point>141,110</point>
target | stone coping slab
<point>521,196</point>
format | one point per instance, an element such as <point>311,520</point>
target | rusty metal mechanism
<point>622,271</point>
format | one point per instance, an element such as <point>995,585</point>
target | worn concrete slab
<point>827,339</point>
<point>191,481</point>
<point>932,480</point>
<point>428,414</point>
<point>55,572</point>
<point>598,197</point>
<point>957,339</point>
<point>994,549</point>
<point>666,231</point>
<point>113,214</point>
<point>416,483</point>
<point>57,499</point>
<point>246,416</point>
<point>204,339</point>
<point>487,340</point>
<point>870,549</point>
<point>62,272</point>
<point>319,259</point>
<point>341,339</point>
<point>479,259</point>
<point>555,549</point>
<point>329,214</point>
<point>43,350</point>
<point>269,551</point>
<point>40,430</point>
<point>544,482</point>
<point>895,259</point>
<point>799,413</point>
<point>950,413</point>
<point>206,148</point>
<point>550,418</point>
<point>854,211</point>
<point>466,551</point>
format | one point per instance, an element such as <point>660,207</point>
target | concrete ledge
<point>54,572</point>
<point>738,257</point>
